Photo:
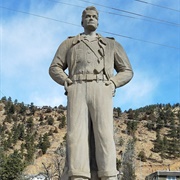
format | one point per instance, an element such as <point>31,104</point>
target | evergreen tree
<point>178,132</point>
<point>174,148</point>
<point>15,118</point>
<point>30,147</point>
<point>21,132</point>
<point>50,120</point>
<point>169,116</point>
<point>11,109</point>
<point>9,99</point>
<point>174,142</point>
<point>15,101</point>
<point>4,99</point>
<point>164,147</point>
<point>41,118</point>
<point>18,132</point>
<point>158,142</point>
<point>15,132</point>
<point>142,156</point>
<point>150,126</point>
<point>178,116</point>
<point>12,167</point>
<point>160,123</point>
<point>130,114</point>
<point>119,111</point>
<point>8,143</point>
<point>22,108</point>
<point>2,159</point>
<point>8,118</point>
<point>172,132</point>
<point>63,122</point>
<point>44,143</point>
<point>132,127</point>
<point>30,124</point>
<point>32,108</point>
<point>22,150</point>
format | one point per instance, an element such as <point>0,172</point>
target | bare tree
<point>54,170</point>
<point>128,168</point>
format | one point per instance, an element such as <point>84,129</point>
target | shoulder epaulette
<point>110,38</point>
<point>70,37</point>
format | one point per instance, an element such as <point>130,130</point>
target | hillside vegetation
<point>33,140</point>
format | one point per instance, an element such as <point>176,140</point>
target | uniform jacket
<point>113,54</point>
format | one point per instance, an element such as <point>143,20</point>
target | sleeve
<point>59,64</point>
<point>122,67</point>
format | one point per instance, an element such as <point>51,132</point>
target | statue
<point>90,86</point>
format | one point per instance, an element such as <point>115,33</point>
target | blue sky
<point>32,30</point>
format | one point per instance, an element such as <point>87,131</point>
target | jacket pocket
<point>80,55</point>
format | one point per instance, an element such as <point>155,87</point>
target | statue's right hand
<point>67,83</point>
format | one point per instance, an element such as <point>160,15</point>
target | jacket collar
<point>102,39</point>
<point>79,38</point>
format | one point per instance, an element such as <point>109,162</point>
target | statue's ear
<point>82,23</point>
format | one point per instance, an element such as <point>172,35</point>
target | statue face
<point>90,21</point>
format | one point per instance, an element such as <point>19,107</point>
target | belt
<point>89,77</point>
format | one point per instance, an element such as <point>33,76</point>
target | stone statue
<point>90,86</point>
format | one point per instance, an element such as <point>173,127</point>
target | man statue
<point>90,86</point>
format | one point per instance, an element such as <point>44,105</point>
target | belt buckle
<point>80,78</point>
<point>88,77</point>
<point>97,78</point>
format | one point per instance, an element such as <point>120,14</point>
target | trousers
<point>90,137</point>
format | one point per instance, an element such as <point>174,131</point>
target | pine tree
<point>130,114</point>
<point>2,159</point>
<point>4,99</point>
<point>44,143</point>
<point>21,132</point>
<point>50,120</point>
<point>30,147</point>
<point>172,132</point>
<point>22,108</point>
<point>11,109</point>
<point>150,126</point>
<point>160,123</point>
<point>178,133</point>
<point>8,143</point>
<point>164,147</point>
<point>30,124</point>
<point>12,167</point>
<point>142,156</point>
<point>119,111</point>
<point>174,141</point>
<point>32,108</point>
<point>158,142</point>
<point>63,122</point>
<point>132,127</point>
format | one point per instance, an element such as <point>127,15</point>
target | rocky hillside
<point>33,138</point>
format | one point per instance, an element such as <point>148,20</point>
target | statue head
<point>90,18</point>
